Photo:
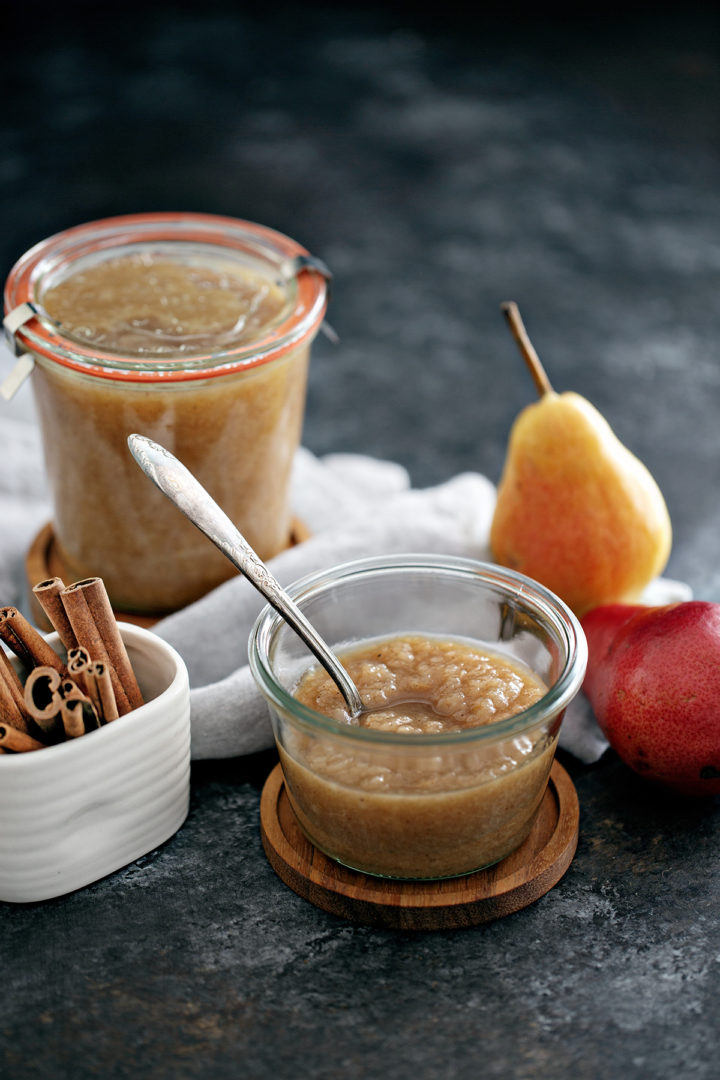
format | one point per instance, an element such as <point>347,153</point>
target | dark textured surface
<point>440,165</point>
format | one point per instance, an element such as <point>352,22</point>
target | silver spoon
<point>188,494</point>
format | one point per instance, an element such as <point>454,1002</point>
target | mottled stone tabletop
<point>440,165</point>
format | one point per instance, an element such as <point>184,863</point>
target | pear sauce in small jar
<point>464,670</point>
<point>414,684</point>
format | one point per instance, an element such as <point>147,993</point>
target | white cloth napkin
<point>354,506</point>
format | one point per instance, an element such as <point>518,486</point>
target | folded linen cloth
<point>354,506</point>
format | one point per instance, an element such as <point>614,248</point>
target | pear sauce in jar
<point>195,331</point>
<point>401,817</point>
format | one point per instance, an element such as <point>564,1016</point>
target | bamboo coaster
<point>43,561</point>
<point>489,894</point>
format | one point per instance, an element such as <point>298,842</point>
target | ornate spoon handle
<point>182,488</point>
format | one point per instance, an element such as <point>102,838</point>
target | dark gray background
<point>440,164</point>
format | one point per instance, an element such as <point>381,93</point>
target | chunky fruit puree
<point>236,430</point>
<point>393,810</point>
<point>145,305</point>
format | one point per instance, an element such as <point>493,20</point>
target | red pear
<point>653,680</point>
<point>604,626</point>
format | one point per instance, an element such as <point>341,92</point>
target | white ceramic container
<point>75,812</point>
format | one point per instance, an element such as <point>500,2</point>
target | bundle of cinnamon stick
<point>54,699</point>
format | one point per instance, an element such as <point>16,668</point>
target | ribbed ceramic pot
<point>75,812</point>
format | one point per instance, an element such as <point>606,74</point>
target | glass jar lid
<point>191,296</point>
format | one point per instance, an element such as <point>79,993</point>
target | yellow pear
<point>576,510</point>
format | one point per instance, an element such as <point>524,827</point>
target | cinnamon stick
<point>95,682</point>
<point>12,701</point>
<point>71,714</point>
<point>43,699</point>
<point>100,676</point>
<point>10,674</point>
<point>78,664</point>
<point>24,640</point>
<point>89,637</point>
<point>91,689</point>
<point>17,741</point>
<point>78,716</point>
<point>93,621</point>
<point>48,595</point>
<point>9,712</point>
<point>71,692</point>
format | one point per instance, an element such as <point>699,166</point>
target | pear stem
<point>512,313</point>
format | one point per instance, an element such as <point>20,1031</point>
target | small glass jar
<point>419,806</point>
<point>231,409</point>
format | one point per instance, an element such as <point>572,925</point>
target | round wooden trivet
<point>510,885</point>
<point>43,561</point>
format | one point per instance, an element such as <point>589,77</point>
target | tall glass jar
<point>227,400</point>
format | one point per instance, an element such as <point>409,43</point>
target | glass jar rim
<point>41,336</point>
<point>542,600</point>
